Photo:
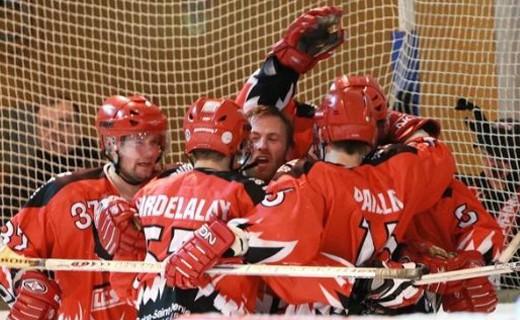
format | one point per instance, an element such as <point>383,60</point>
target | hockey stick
<point>508,252</point>
<point>462,274</point>
<point>10,259</point>
<point>503,266</point>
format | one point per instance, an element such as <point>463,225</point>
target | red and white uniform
<point>170,208</point>
<point>57,222</point>
<point>334,213</point>
<point>276,84</point>
<point>459,222</point>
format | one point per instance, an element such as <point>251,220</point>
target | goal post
<point>175,51</point>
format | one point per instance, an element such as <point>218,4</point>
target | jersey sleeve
<point>315,293</point>
<point>286,229</point>
<point>275,85</point>
<point>272,84</point>
<point>28,233</point>
<point>287,225</point>
<point>459,222</point>
<point>420,175</point>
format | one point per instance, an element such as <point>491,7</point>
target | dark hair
<point>48,101</point>
<point>207,154</point>
<point>271,111</point>
<point>352,147</point>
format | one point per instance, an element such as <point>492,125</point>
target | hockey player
<point>497,186</point>
<point>271,141</point>
<point>275,84</point>
<point>456,233</point>
<point>332,212</point>
<point>171,207</point>
<point>57,221</point>
<point>311,38</point>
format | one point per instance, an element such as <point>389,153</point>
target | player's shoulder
<point>383,153</point>
<point>295,168</point>
<point>175,169</point>
<point>252,186</point>
<point>70,183</point>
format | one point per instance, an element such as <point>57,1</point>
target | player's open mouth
<point>145,164</point>
<point>262,159</point>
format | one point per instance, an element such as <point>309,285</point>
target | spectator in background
<point>38,143</point>
<point>498,185</point>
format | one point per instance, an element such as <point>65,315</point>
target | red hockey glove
<point>394,293</point>
<point>185,268</point>
<point>475,295</point>
<point>38,297</point>
<point>114,222</point>
<point>402,126</point>
<point>310,38</point>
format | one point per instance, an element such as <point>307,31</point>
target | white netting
<point>175,51</point>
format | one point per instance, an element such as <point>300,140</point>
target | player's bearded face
<point>139,154</point>
<point>270,146</point>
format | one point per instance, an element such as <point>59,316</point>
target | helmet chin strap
<point>126,178</point>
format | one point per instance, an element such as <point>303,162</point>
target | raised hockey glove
<point>185,268</point>
<point>402,126</point>
<point>393,293</point>
<point>310,38</point>
<point>38,297</point>
<point>114,220</point>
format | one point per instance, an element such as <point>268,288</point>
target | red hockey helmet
<point>215,124</point>
<point>121,116</point>
<point>346,113</point>
<point>374,91</point>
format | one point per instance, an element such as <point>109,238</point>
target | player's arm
<point>473,227</point>
<point>310,38</point>
<point>316,293</point>
<point>31,233</point>
<point>403,127</point>
<point>117,228</point>
<point>283,228</point>
<point>417,174</point>
<point>471,295</point>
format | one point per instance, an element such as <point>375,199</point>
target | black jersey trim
<point>386,152</point>
<point>254,187</point>
<point>43,195</point>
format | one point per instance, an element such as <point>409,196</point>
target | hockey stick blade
<point>10,259</point>
<point>470,273</point>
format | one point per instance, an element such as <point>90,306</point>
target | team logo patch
<point>35,286</point>
<point>227,137</point>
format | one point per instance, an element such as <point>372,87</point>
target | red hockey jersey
<point>57,222</point>
<point>170,208</point>
<point>459,221</point>
<point>344,214</point>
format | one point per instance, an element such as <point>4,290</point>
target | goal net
<point>57,56</point>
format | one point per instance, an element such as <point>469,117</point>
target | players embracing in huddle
<point>379,190</point>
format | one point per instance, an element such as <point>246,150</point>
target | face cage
<point>318,147</point>
<point>242,156</point>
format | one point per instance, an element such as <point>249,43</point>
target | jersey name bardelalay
<point>182,208</point>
